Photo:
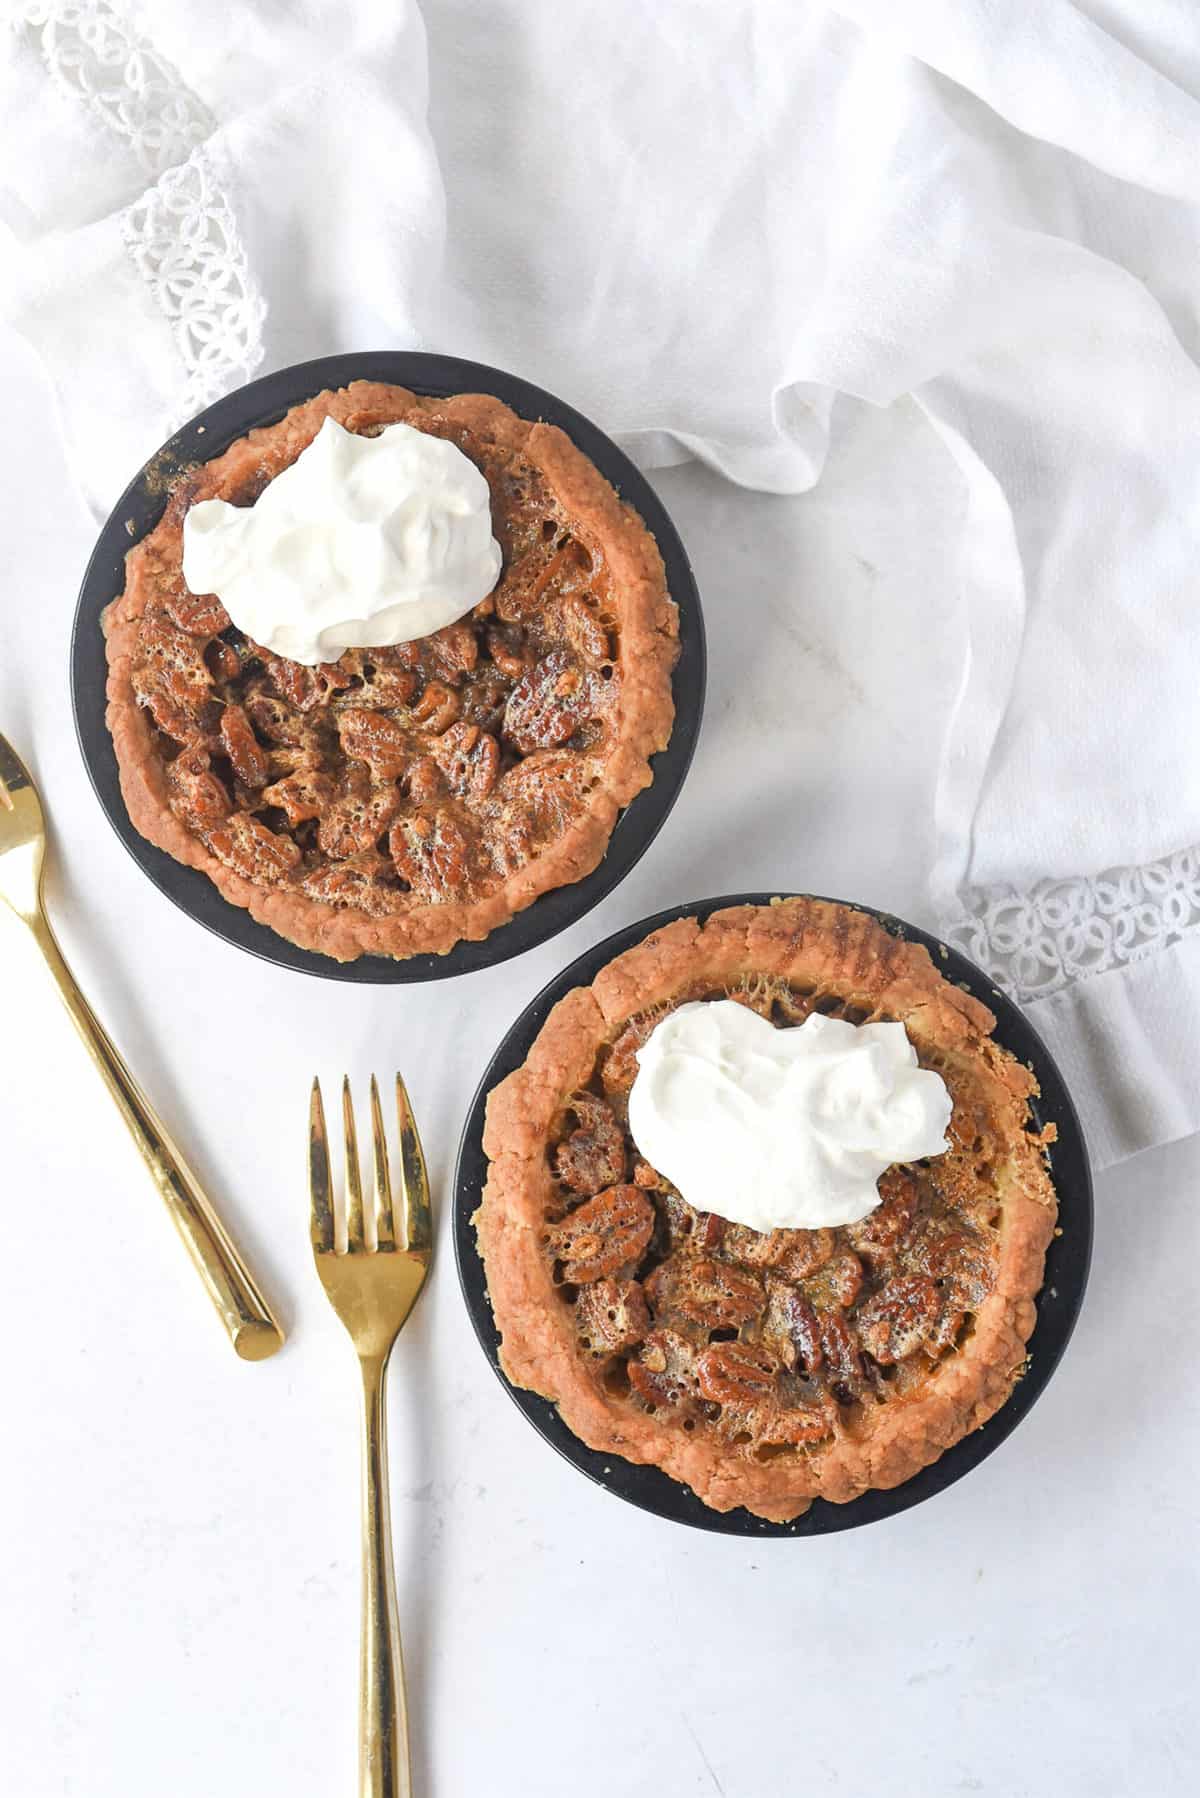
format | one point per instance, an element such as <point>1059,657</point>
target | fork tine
<point>354,1204</point>
<point>414,1181</point>
<point>385,1223</point>
<point>320,1181</point>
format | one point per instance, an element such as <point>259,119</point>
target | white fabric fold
<point>701,225</point>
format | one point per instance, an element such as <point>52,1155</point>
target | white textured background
<point>178,1531</point>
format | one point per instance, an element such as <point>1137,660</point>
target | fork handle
<point>383,1765</point>
<point>243,1311</point>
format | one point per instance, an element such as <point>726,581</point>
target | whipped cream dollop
<point>362,542</point>
<point>782,1129</point>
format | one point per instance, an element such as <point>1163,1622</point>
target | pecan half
<point>603,1235</point>
<point>470,760</point>
<point>303,687</point>
<point>792,1322</point>
<point>961,1263</point>
<point>838,1283</point>
<point>200,614</point>
<point>509,650</point>
<point>437,708</point>
<point>806,1251</point>
<point>664,1373</point>
<point>435,856</point>
<point>453,651</point>
<point>840,1353</point>
<point>252,850</point>
<point>583,630</point>
<point>899,1318</point>
<point>790,1425</point>
<point>274,717</point>
<point>546,568</point>
<point>612,1315</point>
<point>549,704</point>
<point>593,1156</point>
<point>360,882</point>
<point>246,755</point>
<point>533,801</point>
<point>878,1235</point>
<point>171,678</point>
<point>798,1252</point>
<point>359,818</point>
<point>301,796</point>
<point>706,1291</point>
<point>195,794</point>
<point>376,739</point>
<point>736,1372</point>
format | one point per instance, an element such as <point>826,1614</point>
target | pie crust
<point>764,1370</point>
<point>400,801</point>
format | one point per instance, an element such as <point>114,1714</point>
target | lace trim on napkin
<point>182,233</point>
<point>1035,942</point>
<point>95,54</point>
<point>184,240</point>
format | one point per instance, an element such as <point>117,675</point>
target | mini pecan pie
<point>401,799</point>
<point>764,1369</point>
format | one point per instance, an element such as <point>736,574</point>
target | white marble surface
<point>178,1532</point>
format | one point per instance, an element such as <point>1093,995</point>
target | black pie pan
<point>264,402</point>
<point>1058,1304</point>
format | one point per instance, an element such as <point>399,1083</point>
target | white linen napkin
<point>701,225</point>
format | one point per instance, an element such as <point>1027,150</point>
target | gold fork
<point>372,1281</point>
<point>241,1307</point>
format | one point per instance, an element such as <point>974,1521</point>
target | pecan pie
<point>399,800</point>
<point>764,1369</point>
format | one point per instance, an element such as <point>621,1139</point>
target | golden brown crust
<point>812,944</point>
<point>647,648</point>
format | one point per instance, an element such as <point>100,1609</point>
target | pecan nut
<point>200,614</point>
<point>900,1318</point>
<point>706,1291</point>
<point>878,1235</point>
<point>732,1373</point>
<point>791,1321</point>
<point>787,1426</point>
<point>359,818</point>
<point>195,794</point>
<point>300,796</point>
<point>593,1156</point>
<point>603,1235</point>
<point>837,1284</point>
<point>303,687</point>
<point>434,855</point>
<point>437,708</point>
<point>549,704</point>
<point>664,1373</point>
<point>840,1353</point>
<point>247,757</point>
<point>453,651</point>
<point>251,850</point>
<point>470,760</point>
<point>612,1315</point>
<point>360,882</point>
<point>583,630</point>
<point>962,1264</point>
<point>376,739</point>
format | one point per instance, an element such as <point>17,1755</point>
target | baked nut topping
<point>764,1368</point>
<point>401,799</point>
